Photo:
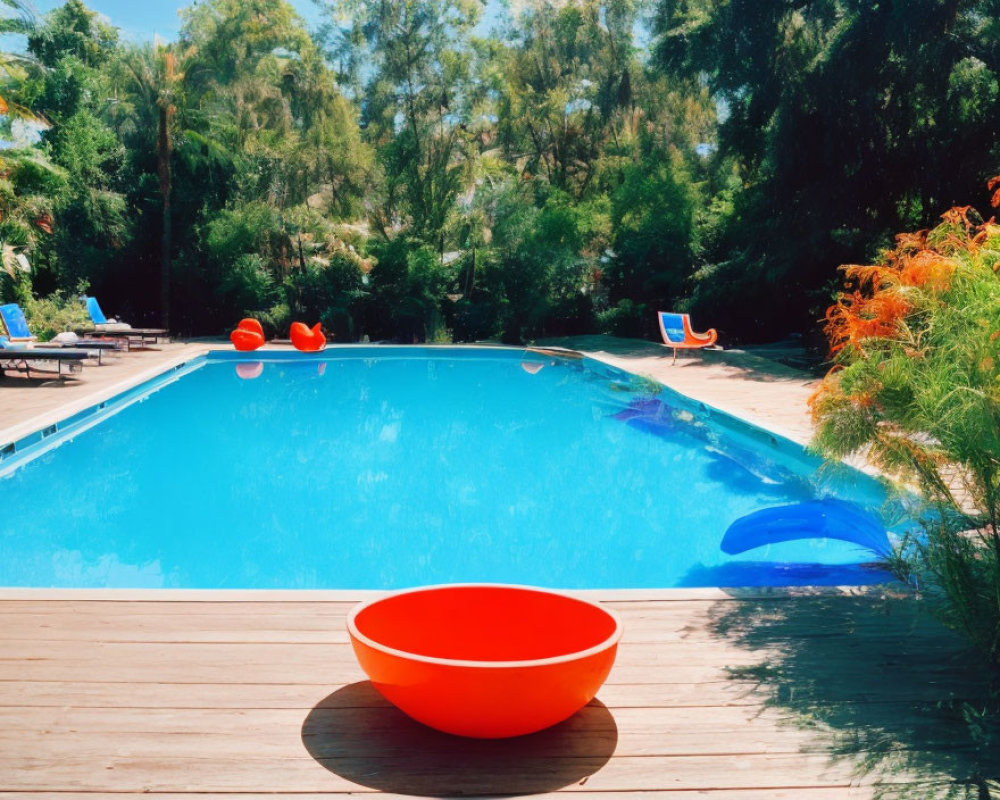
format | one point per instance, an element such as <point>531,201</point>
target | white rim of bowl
<point>610,641</point>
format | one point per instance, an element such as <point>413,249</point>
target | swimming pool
<point>377,468</point>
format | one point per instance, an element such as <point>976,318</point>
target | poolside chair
<point>15,324</point>
<point>677,333</point>
<point>17,329</point>
<point>115,329</point>
<point>19,356</point>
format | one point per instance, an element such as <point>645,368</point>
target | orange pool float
<point>248,335</point>
<point>309,340</point>
<point>485,660</point>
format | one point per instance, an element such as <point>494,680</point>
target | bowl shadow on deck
<point>886,688</point>
<point>358,735</point>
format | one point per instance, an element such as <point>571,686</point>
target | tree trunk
<point>163,156</point>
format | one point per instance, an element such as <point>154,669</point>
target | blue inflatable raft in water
<point>816,519</point>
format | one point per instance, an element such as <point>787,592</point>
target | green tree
<point>264,127</point>
<point>845,120</point>
<point>567,88</point>
<point>417,106</point>
<point>653,224</point>
<point>72,91</point>
<point>154,76</point>
<point>72,29</point>
<point>27,176</point>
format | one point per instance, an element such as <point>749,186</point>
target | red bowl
<point>485,660</point>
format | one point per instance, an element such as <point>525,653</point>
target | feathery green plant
<point>916,389</point>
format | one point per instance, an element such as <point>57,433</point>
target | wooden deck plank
<point>424,775</point>
<point>245,724</point>
<point>101,694</point>
<point>245,698</point>
<point>247,733</point>
<point>593,734</point>
<point>723,692</point>
<point>792,793</point>
<point>258,663</point>
<point>327,628</point>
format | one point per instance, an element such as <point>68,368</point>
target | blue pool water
<point>391,467</point>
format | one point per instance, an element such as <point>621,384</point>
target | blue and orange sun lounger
<point>677,332</point>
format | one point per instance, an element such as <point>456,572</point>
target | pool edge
<point>735,594</point>
<point>206,350</point>
<point>46,419</point>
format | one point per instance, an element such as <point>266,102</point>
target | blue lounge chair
<point>13,320</point>
<point>17,326</point>
<point>116,329</point>
<point>19,356</point>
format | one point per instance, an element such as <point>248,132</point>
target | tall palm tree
<point>154,77</point>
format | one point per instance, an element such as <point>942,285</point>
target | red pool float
<point>485,660</point>
<point>249,335</point>
<point>309,340</point>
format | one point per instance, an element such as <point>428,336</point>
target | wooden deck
<point>819,698</point>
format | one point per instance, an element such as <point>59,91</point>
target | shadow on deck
<point>359,736</point>
<point>890,690</point>
<point>745,364</point>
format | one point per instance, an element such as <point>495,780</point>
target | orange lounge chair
<point>677,333</point>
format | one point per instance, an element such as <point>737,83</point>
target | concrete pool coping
<point>708,593</point>
<point>50,404</point>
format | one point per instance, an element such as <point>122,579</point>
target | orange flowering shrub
<point>915,387</point>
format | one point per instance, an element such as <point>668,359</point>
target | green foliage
<point>93,216</point>
<point>569,90</point>
<point>85,210</point>
<point>17,16</point>
<point>419,102</point>
<point>65,88</point>
<point>54,314</point>
<point>626,319</point>
<point>329,291</point>
<point>15,287</point>
<point>919,394</point>
<point>246,228</point>
<point>246,286</point>
<point>25,196</point>
<point>846,121</point>
<point>72,31</point>
<point>556,176</point>
<point>407,287</point>
<point>268,151</point>
<point>652,219</point>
